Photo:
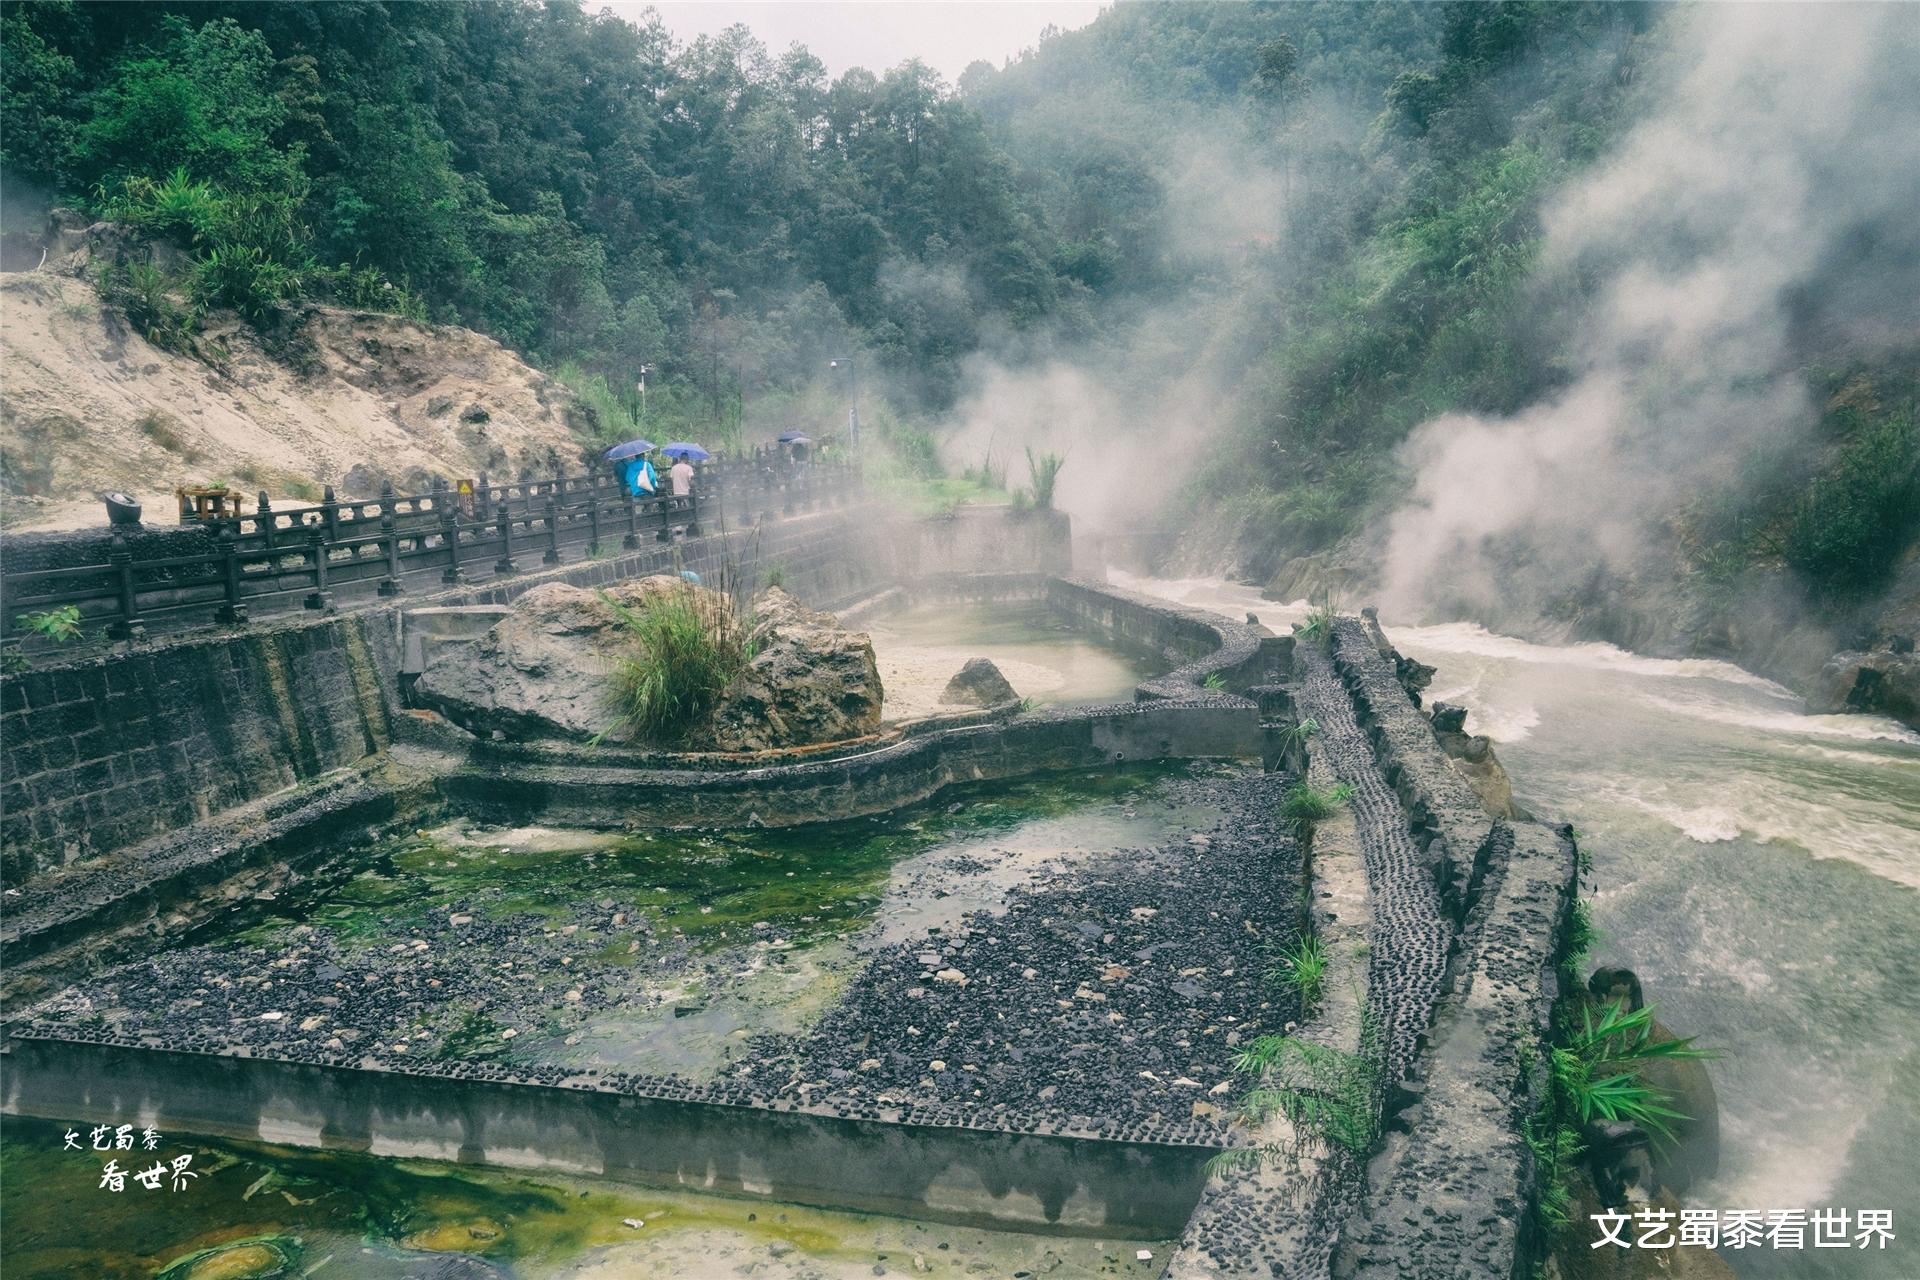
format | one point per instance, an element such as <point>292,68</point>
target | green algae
<point>709,887</point>
<point>351,1216</point>
<point>257,1259</point>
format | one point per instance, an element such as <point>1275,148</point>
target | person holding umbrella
<point>636,473</point>
<point>684,455</point>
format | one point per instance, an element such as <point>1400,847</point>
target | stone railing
<point>224,570</point>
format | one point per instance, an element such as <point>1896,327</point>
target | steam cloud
<point>1132,410</point>
<point>1780,177</point>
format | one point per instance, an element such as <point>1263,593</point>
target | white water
<point>1760,869</point>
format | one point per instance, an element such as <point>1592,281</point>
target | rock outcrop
<point>978,684</point>
<point>1472,757</point>
<point>811,681</point>
<point>544,671</point>
<point>90,405</point>
<point>1883,682</point>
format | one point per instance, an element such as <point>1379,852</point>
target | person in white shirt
<point>682,476</point>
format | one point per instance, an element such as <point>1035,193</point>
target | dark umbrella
<point>795,437</point>
<point>631,449</point>
<point>682,449</point>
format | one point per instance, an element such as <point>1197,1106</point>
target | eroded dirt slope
<point>344,398</point>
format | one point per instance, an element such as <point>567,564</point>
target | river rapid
<point>1757,866</point>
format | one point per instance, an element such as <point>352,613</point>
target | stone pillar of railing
<point>450,534</point>
<point>390,541</point>
<point>330,513</point>
<point>593,516</point>
<point>129,625</point>
<point>503,524</point>
<point>233,610</point>
<point>552,555</point>
<point>320,597</point>
<point>263,512</point>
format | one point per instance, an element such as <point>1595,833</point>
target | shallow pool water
<point>1041,656</point>
<point>342,1216</point>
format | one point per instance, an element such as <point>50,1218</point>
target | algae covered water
<point>1758,866</point>
<point>275,1211</point>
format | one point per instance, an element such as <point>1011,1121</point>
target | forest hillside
<point>1594,319</point>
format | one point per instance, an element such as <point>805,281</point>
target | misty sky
<point>946,34</point>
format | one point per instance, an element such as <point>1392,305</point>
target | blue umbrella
<point>631,449</point>
<point>685,450</point>
<point>794,437</point>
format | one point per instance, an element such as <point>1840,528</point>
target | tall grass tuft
<point>1318,626</point>
<point>1306,804</point>
<point>686,648</point>
<point>1303,967</point>
<point>1045,470</point>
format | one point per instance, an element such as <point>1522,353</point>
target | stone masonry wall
<point>1449,1191</point>
<point>103,753</point>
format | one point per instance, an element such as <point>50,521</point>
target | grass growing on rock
<point>687,647</point>
<point>1318,626</point>
<point>1303,967</point>
<point>1306,804</point>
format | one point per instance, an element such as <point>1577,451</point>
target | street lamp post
<point>645,369</point>
<point>853,413</point>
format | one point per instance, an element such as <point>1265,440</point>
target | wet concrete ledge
<point>579,789</point>
<point>969,1174</point>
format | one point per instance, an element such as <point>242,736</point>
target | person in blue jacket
<point>640,477</point>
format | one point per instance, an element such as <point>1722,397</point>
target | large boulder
<point>978,684</point>
<point>811,681</point>
<point>545,670</point>
<point>1881,682</point>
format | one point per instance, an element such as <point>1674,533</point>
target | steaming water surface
<point>1759,867</point>
<point>1041,656</point>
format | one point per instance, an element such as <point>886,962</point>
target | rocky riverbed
<point>1080,954</point>
<point>1116,996</point>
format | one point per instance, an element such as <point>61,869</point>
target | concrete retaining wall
<point>104,753</point>
<point>983,540</point>
<point>574,787</point>
<point>956,1174</point>
<point>1235,656</point>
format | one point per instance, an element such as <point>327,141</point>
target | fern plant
<point>1599,1065</point>
<point>1327,1094</point>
